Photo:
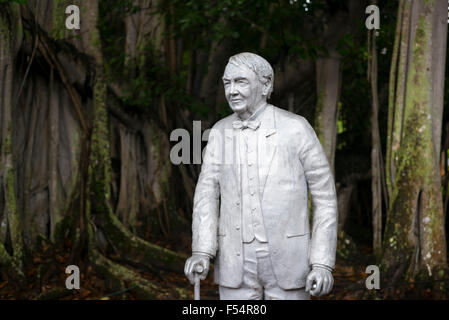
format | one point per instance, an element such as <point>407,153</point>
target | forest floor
<point>46,280</point>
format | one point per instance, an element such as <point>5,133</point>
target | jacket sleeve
<point>321,185</point>
<point>206,198</point>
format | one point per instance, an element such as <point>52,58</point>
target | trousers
<point>259,281</point>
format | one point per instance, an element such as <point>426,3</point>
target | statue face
<point>243,89</point>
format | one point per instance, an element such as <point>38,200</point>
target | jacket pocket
<point>296,230</point>
<point>296,234</point>
<point>298,225</point>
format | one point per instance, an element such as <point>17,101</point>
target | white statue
<point>250,205</point>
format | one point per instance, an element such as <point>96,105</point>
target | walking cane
<point>196,289</point>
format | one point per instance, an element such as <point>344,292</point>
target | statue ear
<point>266,87</point>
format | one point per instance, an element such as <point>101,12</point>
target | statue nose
<point>233,90</point>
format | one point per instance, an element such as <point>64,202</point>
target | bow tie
<point>254,124</point>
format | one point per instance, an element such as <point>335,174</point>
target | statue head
<point>248,81</point>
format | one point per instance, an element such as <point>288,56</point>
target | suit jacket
<point>291,161</point>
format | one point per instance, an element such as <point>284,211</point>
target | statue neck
<point>249,114</point>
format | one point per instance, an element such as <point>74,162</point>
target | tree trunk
<point>328,92</point>
<point>10,39</point>
<point>414,239</point>
<point>397,92</point>
<point>376,149</point>
<point>439,44</point>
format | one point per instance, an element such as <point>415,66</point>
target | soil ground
<point>46,280</point>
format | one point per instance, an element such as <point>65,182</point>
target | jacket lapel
<point>266,145</point>
<point>232,153</point>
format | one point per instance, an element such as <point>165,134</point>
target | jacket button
<point>237,227</point>
<point>238,253</point>
<point>237,203</point>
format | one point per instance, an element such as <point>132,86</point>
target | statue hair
<point>259,65</point>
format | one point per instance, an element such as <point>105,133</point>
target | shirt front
<point>252,217</point>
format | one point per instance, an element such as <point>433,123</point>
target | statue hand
<point>322,278</point>
<point>195,262</point>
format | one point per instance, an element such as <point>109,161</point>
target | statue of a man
<point>250,204</point>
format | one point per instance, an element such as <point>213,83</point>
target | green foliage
<point>245,21</point>
<point>111,26</point>
<point>284,25</point>
<point>287,26</point>
<point>15,1</point>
